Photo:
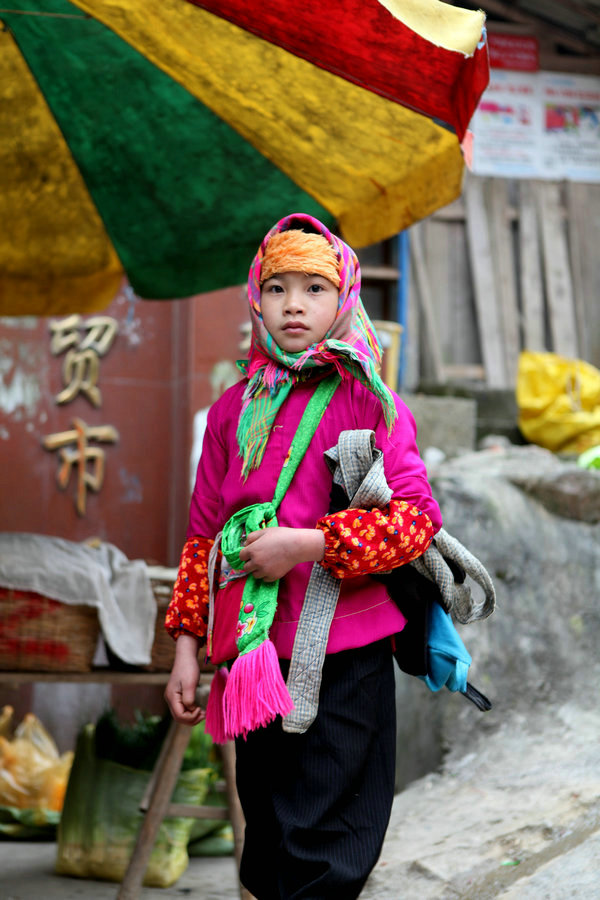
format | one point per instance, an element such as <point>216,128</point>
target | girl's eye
<point>316,288</point>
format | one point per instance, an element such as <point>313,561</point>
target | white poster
<point>506,126</point>
<point>538,125</point>
<point>571,136</point>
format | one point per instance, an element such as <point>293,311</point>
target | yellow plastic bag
<point>32,773</point>
<point>559,402</point>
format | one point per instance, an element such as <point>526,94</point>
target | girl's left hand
<point>272,552</point>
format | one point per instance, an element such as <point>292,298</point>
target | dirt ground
<point>516,818</point>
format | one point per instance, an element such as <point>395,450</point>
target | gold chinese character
<point>81,367</point>
<point>65,334</point>
<point>80,373</point>
<point>102,332</point>
<point>81,454</point>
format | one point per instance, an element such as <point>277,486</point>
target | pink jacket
<point>364,612</point>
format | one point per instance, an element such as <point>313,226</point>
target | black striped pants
<point>317,805</point>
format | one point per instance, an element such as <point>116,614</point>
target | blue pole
<point>402,300</point>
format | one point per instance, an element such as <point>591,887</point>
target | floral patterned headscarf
<point>351,347</point>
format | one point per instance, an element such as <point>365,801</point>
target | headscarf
<point>351,346</point>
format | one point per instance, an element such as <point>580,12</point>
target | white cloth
<point>76,573</point>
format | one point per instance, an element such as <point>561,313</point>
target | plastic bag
<point>590,459</point>
<point>559,402</point>
<point>28,824</point>
<point>32,773</point>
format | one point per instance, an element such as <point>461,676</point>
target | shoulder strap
<point>263,515</point>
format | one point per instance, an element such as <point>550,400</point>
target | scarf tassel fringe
<point>249,697</point>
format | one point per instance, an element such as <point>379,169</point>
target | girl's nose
<point>294,302</point>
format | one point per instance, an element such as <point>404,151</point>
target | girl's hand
<point>272,552</point>
<point>180,692</point>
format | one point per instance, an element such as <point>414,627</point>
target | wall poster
<point>538,125</point>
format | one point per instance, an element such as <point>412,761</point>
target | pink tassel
<point>215,720</point>
<point>255,693</point>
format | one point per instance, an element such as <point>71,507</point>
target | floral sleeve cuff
<point>363,541</point>
<point>187,612</point>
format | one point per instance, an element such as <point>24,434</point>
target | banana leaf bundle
<point>101,818</point>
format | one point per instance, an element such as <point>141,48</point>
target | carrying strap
<point>263,515</point>
<point>259,599</point>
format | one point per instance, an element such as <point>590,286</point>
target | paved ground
<point>26,873</point>
<point>517,818</point>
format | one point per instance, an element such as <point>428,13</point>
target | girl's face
<point>297,309</point>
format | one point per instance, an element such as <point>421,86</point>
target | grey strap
<point>358,466</point>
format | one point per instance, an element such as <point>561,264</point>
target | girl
<point>316,803</point>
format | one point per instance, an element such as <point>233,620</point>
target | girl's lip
<point>295,326</point>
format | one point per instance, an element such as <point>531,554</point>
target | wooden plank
<point>581,236</point>
<point>436,252</point>
<point>461,301</point>
<point>426,305</point>
<point>465,372</point>
<point>532,289</point>
<point>557,270</point>
<point>586,197</point>
<point>380,273</point>
<point>452,294</point>
<point>505,270</point>
<point>411,344</point>
<point>482,271</point>
<point>453,212</point>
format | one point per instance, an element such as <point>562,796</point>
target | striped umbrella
<point>162,139</point>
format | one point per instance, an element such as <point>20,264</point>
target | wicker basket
<point>163,648</point>
<point>38,634</point>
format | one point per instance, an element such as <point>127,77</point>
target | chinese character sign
<point>83,342</point>
<point>81,366</point>
<point>76,453</point>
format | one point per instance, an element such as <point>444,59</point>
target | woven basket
<point>163,648</point>
<point>38,634</point>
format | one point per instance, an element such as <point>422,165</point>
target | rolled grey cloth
<point>457,598</point>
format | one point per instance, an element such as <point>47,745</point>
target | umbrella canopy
<point>162,139</point>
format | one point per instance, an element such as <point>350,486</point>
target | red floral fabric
<point>188,610</point>
<point>362,541</point>
<point>357,542</point>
